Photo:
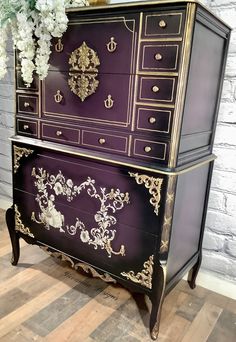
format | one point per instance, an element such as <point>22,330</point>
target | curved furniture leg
<point>192,275</point>
<point>10,220</point>
<point>157,300</point>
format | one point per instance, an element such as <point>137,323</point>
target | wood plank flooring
<point>43,299</point>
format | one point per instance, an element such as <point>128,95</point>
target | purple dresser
<point>112,157</point>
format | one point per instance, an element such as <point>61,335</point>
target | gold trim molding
<point>19,224</point>
<point>20,152</point>
<point>145,276</point>
<point>86,268</point>
<point>154,187</point>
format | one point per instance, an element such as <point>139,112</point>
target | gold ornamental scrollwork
<point>144,277</point>
<point>154,187</point>
<point>20,152</point>
<point>83,71</point>
<point>19,224</point>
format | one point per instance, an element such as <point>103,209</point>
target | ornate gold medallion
<point>83,71</point>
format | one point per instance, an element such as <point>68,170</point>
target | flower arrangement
<point>33,24</point>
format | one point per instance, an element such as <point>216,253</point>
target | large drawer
<point>108,105</point>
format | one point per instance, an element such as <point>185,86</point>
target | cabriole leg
<point>10,220</point>
<point>192,275</point>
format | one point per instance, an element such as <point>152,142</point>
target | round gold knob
<point>162,24</point>
<point>101,141</point>
<point>151,120</point>
<point>58,133</point>
<point>158,57</point>
<point>155,89</point>
<point>26,104</point>
<point>147,149</point>
<point>26,127</point>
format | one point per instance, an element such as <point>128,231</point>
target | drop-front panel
<point>112,155</point>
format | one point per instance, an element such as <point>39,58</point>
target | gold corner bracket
<point>18,153</point>
<point>19,226</point>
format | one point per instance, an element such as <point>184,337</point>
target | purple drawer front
<point>153,150</point>
<point>157,89</point>
<point>103,141</point>
<point>27,104</point>
<point>27,127</point>
<point>159,57</point>
<point>20,85</point>
<point>111,39</point>
<point>163,24</point>
<point>58,133</point>
<point>108,105</point>
<point>154,120</point>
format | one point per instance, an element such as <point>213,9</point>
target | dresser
<point>112,157</point>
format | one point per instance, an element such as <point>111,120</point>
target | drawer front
<point>20,85</point>
<point>153,120</point>
<point>111,40</point>
<point>27,104</point>
<point>157,89</point>
<point>109,104</point>
<point>27,127</point>
<point>159,57</point>
<point>58,133</point>
<point>153,150</point>
<point>103,141</point>
<point>163,24</point>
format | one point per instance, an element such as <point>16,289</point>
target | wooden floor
<point>43,299</point>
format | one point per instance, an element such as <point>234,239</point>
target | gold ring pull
<point>58,97</point>
<point>58,133</point>
<point>111,46</point>
<point>26,104</point>
<point>108,103</point>
<point>26,127</point>
<point>162,24</point>
<point>151,120</point>
<point>155,89</point>
<point>158,57</point>
<point>147,149</point>
<point>101,141</point>
<point>59,46</point>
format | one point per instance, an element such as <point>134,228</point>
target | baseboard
<point>211,282</point>
<point>5,204</point>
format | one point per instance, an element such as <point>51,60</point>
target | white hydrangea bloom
<point>3,54</point>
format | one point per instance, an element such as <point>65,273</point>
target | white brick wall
<point>219,255</point>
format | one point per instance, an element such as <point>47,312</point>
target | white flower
<point>58,188</point>
<point>69,183</point>
<point>84,236</point>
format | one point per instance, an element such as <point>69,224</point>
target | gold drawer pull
<point>58,133</point>
<point>158,57</point>
<point>26,127</point>
<point>155,89</point>
<point>58,97</point>
<point>147,149</point>
<point>108,103</point>
<point>101,141</point>
<point>162,24</point>
<point>111,46</point>
<point>26,104</point>
<point>151,120</point>
<point>59,46</point>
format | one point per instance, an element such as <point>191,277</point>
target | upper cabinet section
<point>100,45</point>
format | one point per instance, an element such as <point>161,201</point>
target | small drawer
<point>154,120</point>
<point>150,149</point>
<point>159,57</point>
<point>157,89</point>
<point>27,104</point>
<point>52,132</point>
<point>27,127</point>
<point>103,141</point>
<point>163,24</point>
<point>20,84</point>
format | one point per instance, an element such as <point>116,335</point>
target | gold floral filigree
<point>19,152</point>
<point>154,187</point>
<point>101,236</point>
<point>83,72</point>
<point>19,224</point>
<point>86,268</point>
<point>145,276</point>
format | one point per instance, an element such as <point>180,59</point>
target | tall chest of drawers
<point>112,157</point>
